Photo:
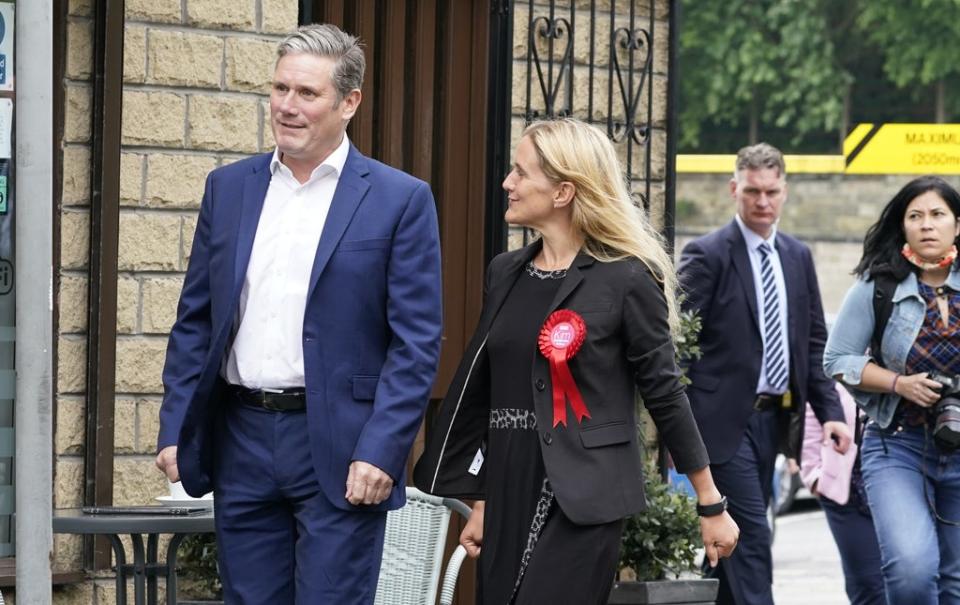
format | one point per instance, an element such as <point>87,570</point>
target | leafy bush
<point>198,566</point>
<point>686,343</point>
<point>663,539</point>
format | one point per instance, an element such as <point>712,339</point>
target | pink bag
<point>835,471</point>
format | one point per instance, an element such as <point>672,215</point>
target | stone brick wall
<point>196,80</point>
<point>581,81</point>
<point>196,83</point>
<point>830,212</point>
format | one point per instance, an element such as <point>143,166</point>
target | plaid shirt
<point>936,349</point>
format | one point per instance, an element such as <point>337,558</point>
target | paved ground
<point>806,565</point>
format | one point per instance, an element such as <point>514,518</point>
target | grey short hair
<point>758,157</point>
<point>325,40</point>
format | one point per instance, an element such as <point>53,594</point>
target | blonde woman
<point>539,424</point>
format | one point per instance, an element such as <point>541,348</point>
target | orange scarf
<point>944,262</point>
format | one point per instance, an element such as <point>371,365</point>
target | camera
<point>946,428</point>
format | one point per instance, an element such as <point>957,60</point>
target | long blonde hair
<point>603,211</point>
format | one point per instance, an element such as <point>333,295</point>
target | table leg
<point>139,570</point>
<point>121,569</point>
<point>152,569</point>
<point>172,567</point>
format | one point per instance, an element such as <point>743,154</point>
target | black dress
<point>531,552</point>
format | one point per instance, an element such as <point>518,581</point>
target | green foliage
<point>687,343</point>
<point>920,38</point>
<point>663,540</point>
<point>198,563</point>
<point>769,61</point>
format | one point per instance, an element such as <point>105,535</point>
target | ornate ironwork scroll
<point>595,63</point>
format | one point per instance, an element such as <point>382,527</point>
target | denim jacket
<point>846,353</point>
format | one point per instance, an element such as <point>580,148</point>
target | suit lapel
<point>351,188</point>
<point>255,187</point>
<point>741,263</point>
<point>792,275</point>
<point>571,281</point>
<point>501,284</point>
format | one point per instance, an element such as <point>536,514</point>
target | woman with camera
<point>898,329</point>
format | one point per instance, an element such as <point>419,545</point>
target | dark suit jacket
<point>371,329</point>
<point>595,467</point>
<point>716,276</point>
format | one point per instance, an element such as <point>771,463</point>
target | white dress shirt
<point>753,241</point>
<point>267,349</point>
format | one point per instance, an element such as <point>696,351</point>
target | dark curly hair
<point>885,238</point>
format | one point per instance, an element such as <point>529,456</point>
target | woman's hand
<point>918,389</point>
<point>472,535</point>
<point>720,535</point>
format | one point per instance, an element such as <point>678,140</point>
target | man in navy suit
<point>306,343</point>
<point>763,334</point>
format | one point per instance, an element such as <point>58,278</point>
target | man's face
<point>760,195</point>
<point>307,120</point>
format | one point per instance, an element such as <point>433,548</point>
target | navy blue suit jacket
<point>716,276</point>
<point>371,329</point>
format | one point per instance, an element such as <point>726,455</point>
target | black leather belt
<point>765,401</point>
<point>286,400</point>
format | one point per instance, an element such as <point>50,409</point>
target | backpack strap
<point>884,286</point>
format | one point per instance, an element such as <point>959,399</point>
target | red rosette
<point>560,339</point>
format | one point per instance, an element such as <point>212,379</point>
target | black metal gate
<point>591,59</point>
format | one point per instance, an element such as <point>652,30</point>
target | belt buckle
<point>266,402</point>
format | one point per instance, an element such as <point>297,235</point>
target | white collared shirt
<point>267,349</point>
<point>753,241</point>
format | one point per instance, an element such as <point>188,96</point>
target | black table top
<point>75,521</point>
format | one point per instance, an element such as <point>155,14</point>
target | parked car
<point>787,487</point>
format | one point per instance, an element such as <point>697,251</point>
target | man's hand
<point>367,484</point>
<point>167,462</point>
<point>839,433</point>
<point>720,535</point>
<point>471,537</point>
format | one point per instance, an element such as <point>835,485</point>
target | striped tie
<point>773,334</point>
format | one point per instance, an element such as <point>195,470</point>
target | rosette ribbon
<point>560,338</point>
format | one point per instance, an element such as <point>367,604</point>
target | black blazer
<point>595,468</point>
<point>716,276</point>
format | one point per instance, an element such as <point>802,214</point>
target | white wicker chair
<point>413,552</point>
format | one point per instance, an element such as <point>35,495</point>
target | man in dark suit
<point>306,343</point>
<point>762,341</point>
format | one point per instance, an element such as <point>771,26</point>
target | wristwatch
<point>712,510</point>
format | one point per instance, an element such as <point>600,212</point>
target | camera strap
<point>926,479</point>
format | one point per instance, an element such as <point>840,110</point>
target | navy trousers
<point>859,553</point>
<point>746,578</point>
<point>280,540</point>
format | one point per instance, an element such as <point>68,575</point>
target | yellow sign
<point>903,149</point>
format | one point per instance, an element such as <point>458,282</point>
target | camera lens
<point>946,431</point>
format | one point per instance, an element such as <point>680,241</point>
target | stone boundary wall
<point>830,213</point>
